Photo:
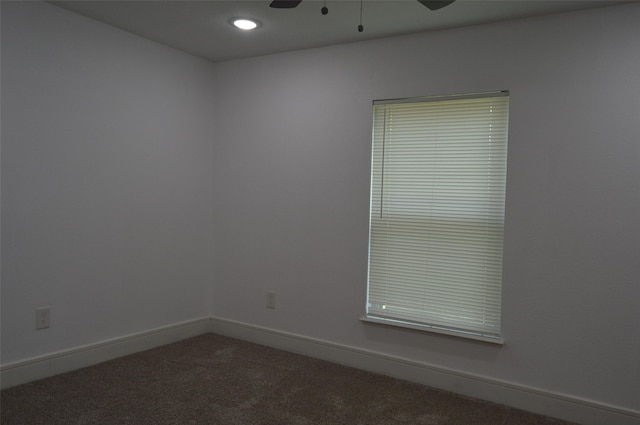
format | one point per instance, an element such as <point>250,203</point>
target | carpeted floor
<point>213,379</point>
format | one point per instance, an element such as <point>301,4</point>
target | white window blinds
<point>437,213</point>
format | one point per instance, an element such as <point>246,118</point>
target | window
<point>437,213</point>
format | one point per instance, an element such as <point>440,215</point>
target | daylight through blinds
<point>437,212</point>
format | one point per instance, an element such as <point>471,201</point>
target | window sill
<point>433,329</point>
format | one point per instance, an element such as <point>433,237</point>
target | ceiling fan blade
<point>435,4</point>
<point>284,4</point>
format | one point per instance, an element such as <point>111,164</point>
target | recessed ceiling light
<point>245,24</point>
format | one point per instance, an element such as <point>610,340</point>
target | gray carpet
<point>213,379</point>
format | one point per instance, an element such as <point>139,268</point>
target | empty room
<point>358,212</point>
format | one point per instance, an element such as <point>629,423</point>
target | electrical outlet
<point>43,317</point>
<point>271,299</point>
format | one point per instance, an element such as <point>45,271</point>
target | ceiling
<point>202,27</point>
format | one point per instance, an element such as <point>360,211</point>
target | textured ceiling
<point>202,27</point>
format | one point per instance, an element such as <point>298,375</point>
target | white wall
<point>292,214</point>
<point>106,182</point>
<point>126,206</point>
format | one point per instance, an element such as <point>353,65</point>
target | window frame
<point>466,332</point>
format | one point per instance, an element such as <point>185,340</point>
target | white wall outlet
<point>271,299</point>
<point>43,317</point>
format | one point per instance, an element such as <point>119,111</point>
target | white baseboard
<point>40,367</point>
<point>574,409</point>
<point>570,408</point>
